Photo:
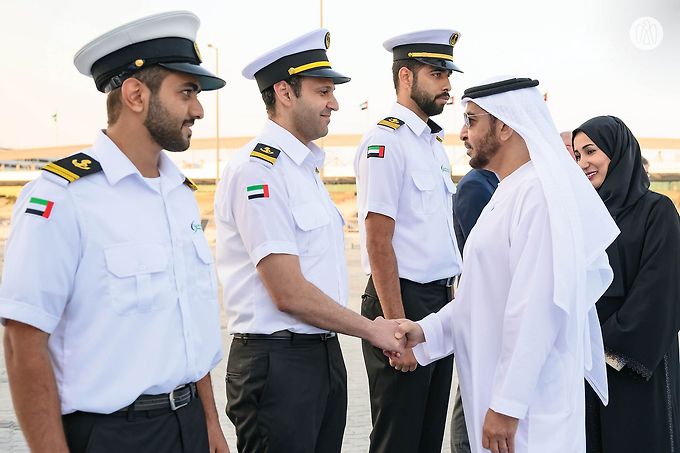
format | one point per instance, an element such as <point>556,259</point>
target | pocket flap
<point>423,181</point>
<point>126,260</point>
<point>202,248</point>
<point>309,216</point>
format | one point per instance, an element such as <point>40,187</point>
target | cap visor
<point>207,79</point>
<point>440,63</point>
<point>327,73</point>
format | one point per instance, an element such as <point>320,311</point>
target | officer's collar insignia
<point>439,139</point>
<point>74,167</point>
<point>265,153</point>
<point>391,122</point>
<point>434,127</point>
<point>39,207</point>
<point>190,184</point>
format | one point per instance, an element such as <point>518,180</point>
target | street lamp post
<point>217,115</point>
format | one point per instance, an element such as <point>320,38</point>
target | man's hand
<point>216,439</point>
<point>383,336</point>
<point>411,331</point>
<point>407,362</point>
<point>498,432</point>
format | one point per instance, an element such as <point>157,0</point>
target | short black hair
<point>410,64</point>
<point>152,77</point>
<point>269,97</point>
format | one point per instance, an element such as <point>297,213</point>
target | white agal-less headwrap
<point>581,227</point>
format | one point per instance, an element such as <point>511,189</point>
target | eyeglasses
<point>466,117</point>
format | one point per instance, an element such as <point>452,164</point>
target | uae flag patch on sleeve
<point>258,191</point>
<point>376,151</point>
<point>38,206</point>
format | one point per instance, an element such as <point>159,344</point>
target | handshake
<point>397,337</point>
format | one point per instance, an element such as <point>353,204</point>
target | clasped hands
<point>397,337</point>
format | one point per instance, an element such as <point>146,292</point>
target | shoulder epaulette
<point>265,153</point>
<point>74,167</point>
<point>190,184</point>
<point>391,122</point>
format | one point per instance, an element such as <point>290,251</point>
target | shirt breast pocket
<point>425,199</point>
<point>312,222</point>
<point>138,278</point>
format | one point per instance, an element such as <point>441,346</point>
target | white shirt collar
<point>280,138</point>
<point>117,166</point>
<point>413,121</point>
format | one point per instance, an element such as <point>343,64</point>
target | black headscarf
<point>626,180</point>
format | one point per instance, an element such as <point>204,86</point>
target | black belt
<point>448,282</point>
<point>285,335</point>
<point>174,400</point>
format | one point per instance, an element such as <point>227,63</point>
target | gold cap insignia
<point>198,53</point>
<point>327,39</point>
<point>82,164</point>
<point>454,39</point>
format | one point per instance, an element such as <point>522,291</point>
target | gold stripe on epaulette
<point>269,159</point>
<point>389,124</point>
<point>60,171</point>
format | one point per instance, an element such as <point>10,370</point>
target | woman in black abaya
<point>640,312</point>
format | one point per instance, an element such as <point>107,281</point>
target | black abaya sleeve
<point>643,329</point>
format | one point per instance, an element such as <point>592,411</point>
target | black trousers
<point>408,409</point>
<point>162,430</point>
<point>287,395</point>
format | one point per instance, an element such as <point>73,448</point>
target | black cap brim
<point>440,63</point>
<point>327,73</point>
<point>207,79</point>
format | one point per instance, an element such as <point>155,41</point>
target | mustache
<point>446,96</point>
<point>467,145</point>
<point>188,123</point>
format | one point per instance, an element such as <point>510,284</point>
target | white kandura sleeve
<point>439,340</point>
<point>531,320</point>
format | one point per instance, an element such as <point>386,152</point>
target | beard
<point>425,101</point>
<point>486,148</point>
<point>162,127</point>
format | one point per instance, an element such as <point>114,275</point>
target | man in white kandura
<point>523,324</point>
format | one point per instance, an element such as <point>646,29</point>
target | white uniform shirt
<point>281,207</point>
<point>506,330</point>
<point>120,276</point>
<point>405,174</point>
